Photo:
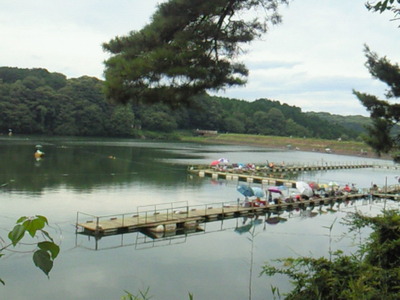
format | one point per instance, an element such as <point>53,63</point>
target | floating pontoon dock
<point>159,219</point>
<point>270,176</point>
<point>288,168</point>
<point>179,215</point>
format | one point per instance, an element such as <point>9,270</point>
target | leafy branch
<point>46,251</point>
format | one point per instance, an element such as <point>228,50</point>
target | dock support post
<point>97,225</point>
<point>77,222</point>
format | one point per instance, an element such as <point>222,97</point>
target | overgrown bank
<point>277,142</point>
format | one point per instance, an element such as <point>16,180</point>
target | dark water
<point>113,176</point>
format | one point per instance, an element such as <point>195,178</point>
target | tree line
<point>35,101</point>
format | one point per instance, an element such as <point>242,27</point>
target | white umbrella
<point>304,188</point>
<point>223,160</point>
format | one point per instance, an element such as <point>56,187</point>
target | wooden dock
<point>180,216</point>
<point>285,168</point>
<point>160,219</point>
<point>265,175</point>
<point>246,177</point>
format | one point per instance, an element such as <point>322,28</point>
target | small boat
<point>38,154</point>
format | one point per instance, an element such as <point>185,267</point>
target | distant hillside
<point>353,123</point>
<point>35,101</point>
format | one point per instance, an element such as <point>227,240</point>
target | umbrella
<point>223,160</point>
<point>275,189</point>
<point>258,192</point>
<point>313,214</point>
<point>304,188</point>
<point>332,183</point>
<point>245,190</point>
<point>323,185</point>
<point>214,163</point>
<point>244,228</point>
<point>314,185</point>
<point>247,227</point>
<point>275,220</point>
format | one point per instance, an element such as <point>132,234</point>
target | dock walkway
<point>174,216</point>
<point>285,168</point>
<point>187,217</point>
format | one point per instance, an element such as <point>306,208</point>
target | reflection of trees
<point>83,167</point>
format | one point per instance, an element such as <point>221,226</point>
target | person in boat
<point>38,154</point>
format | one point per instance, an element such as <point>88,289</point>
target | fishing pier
<point>266,175</point>
<point>288,168</point>
<point>180,216</point>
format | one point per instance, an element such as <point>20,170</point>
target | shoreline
<point>348,148</point>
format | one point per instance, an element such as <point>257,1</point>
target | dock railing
<point>159,212</point>
<point>166,211</point>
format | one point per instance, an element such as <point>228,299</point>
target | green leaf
<point>43,219</point>
<point>42,260</point>
<point>51,247</point>
<point>16,234</point>
<point>47,235</point>
<point>33,225</point>
<point>20,220</point>
<point>1,281</point>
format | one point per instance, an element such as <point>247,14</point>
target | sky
<point>313,59</point>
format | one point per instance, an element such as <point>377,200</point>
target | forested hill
<point>35,101</point>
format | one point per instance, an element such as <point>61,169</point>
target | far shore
<point>350,148</point>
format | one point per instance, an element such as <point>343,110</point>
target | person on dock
<point>246,202</point>
<point>374,188</point>
<point>260,203</point>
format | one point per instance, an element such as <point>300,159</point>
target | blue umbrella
<point>258,192</point>
<point>247,227</point>
<point>245,190</point>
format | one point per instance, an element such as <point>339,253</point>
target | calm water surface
<point>114,176</point>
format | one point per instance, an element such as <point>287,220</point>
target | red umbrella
<point>314,185</point>
<point>215,162</point>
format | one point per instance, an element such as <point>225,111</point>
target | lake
<point>115,176</point>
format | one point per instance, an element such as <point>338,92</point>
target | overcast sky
<point>312,60</point>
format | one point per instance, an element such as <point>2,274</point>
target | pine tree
<point>385,115</point>
<point>190,46</point>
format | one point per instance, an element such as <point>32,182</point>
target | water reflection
<point>87,164</point>
<point>82,175</point>
<point>83,166</point>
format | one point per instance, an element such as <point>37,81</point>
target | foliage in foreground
<point>46,250</point>
<point>385,5</point>
<point>385,114</point>
<point>373,272</point>
<point>143,295</point>
<point>189,47</point>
